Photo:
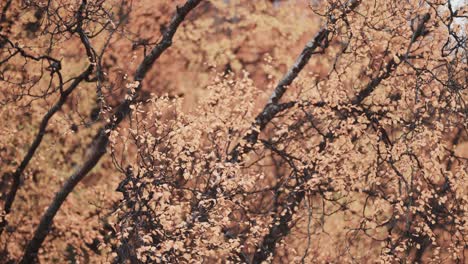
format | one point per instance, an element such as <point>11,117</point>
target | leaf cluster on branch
<point>233,131</point>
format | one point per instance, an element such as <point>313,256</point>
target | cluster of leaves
<point>363,155</point>
<point>360,158</point>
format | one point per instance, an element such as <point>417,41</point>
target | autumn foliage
<point>221,131</point>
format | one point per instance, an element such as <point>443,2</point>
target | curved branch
<point>99,147</point>
<point>279,231</point>
<point>272,108</point>
<point>52,111</point>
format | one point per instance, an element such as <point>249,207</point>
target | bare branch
<point>52,111</point>
<point>100,145</point>
<point>280,227</point>
<point>272,108</point>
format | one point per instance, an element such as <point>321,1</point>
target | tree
<point>352,153</point>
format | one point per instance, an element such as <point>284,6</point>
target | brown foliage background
<point>363,158</point>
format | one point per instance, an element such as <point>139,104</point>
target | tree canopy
<point>221,131</point>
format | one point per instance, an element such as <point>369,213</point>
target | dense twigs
<point>98,148</point>
<point>272,108</point>
<point>352,143</point>
<point>228,149</point>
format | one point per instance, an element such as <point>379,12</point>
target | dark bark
<point>98,149</point>
<point>64,94</point>
<point>280,230</point>
<point>272,108</point>
<point>37,141</point>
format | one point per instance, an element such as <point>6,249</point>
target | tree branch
<point>52,111</point>
<point>280,230</point>
<point>100,145</point>
<point>272,108</point>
